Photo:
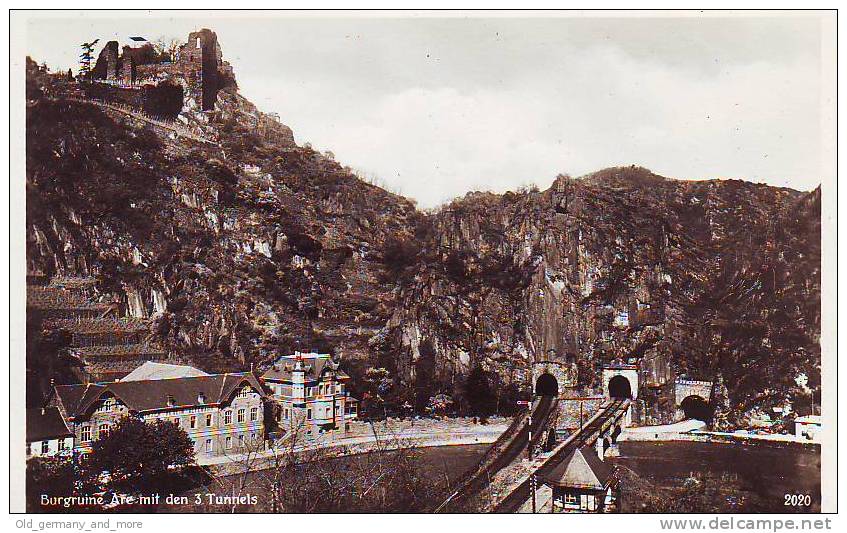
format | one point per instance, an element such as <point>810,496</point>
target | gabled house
<point>46,433</point>
<point>582,483</point>
<point>310,393</point>
<point>221,413</point>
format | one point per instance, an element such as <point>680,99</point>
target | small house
<point>582,483</point>
<point>46,433</point>
<point>808,427</point>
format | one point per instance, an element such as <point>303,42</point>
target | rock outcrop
<point>252,246</point>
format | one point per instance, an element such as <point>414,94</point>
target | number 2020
<point>798,500</point>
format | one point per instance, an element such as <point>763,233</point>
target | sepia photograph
<point>430,262</point>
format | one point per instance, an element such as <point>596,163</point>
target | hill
<point>239,244</point>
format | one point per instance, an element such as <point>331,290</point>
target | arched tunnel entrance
<point>695,407</point>
<point>546,385</point>
<point>619,387</point>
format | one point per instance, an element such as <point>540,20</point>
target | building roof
<point>314,365</point>
<point>151,370</point>
<point>45,424</point>
<point>157,394</point>
<point>583,469</point>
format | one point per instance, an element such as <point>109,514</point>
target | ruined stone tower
<point>198,69</point>
<point>200,61</point>
<point>106,67</point>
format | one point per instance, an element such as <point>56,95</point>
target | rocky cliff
<point>247,245</point>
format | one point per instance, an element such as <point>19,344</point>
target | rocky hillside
<point>247,245</point>
<point>698,278</point>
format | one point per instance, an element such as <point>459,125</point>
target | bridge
<point>526,430</point>
<point>600,431</point>
<point>531,431</point>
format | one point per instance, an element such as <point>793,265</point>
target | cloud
<point>439,107</point>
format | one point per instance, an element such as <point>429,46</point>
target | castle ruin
<point>162,85</point>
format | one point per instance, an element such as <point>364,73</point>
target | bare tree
<point>304,474</point>
<point>166,48</point>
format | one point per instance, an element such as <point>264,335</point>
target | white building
<point>808,427</point>
<point>311,391</point>
<point>46,433</point>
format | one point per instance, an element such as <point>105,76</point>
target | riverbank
<point>717,476</point>
<point>694,431</point>
<point>363,438</point>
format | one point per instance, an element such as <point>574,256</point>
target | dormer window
<point>171,400</point>
<point>244,392</point>
<point>201,398</point>
<point>107,405</point>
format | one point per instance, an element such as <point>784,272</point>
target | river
<point>761,474</point>
<point>748,477</point>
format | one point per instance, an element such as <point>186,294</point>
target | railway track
<point>587,435</point>
<point>510,444</point>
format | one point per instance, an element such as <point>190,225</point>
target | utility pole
<point>532,487</point>
<point>529,433</point>
<point>528,404</point>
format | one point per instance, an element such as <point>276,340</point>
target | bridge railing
<point>488,457</point>
<point>520,493</point>
<point>502,453</point>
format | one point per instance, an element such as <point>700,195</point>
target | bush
<point>139,456</point>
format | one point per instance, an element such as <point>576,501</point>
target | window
<point>45,446</point>
<point>61,445</point>
<point>309,414</point>
<point>254,414</point>
<point>107,405</point>
<point>227,417</point>
<point>241,415</point>
<point>571,499</point>
<point>286,414</point>
<point>176,421</point>
<point>244,392</point>
<point>241,441</point>
<point>208,420</point>
<point>228,443</point>
<point>193,423</point>
<point>208,445</point>
<point>102,430</point>
<point>85,434</point>
<point>327,412</point>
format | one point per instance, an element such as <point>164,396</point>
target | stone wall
<point>107,66</point>
<point>198,67</point>
<point>684,388</point>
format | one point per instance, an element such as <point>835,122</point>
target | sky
<point>434,107</point>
